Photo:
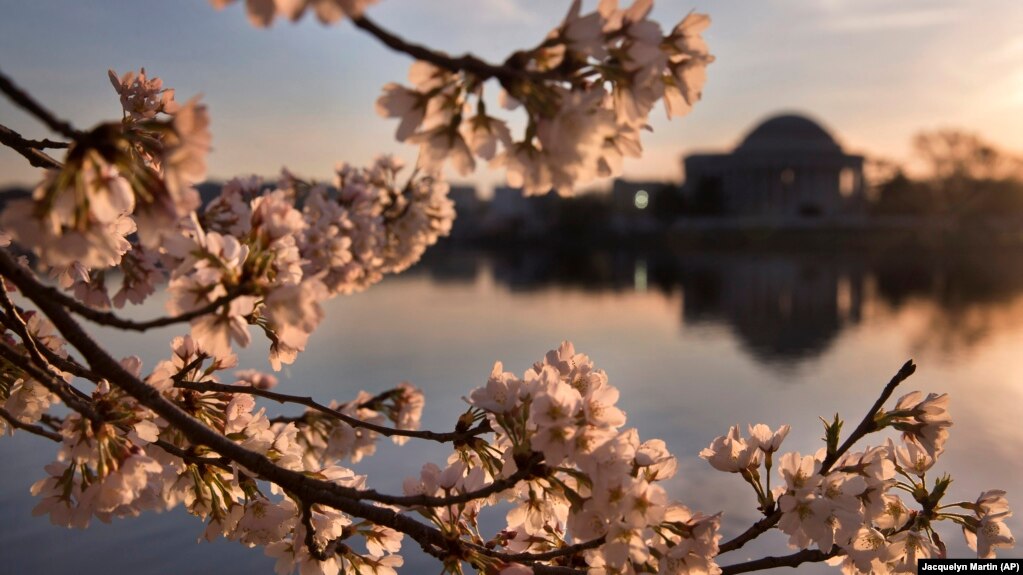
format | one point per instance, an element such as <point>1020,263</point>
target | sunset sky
<point>302,95</point>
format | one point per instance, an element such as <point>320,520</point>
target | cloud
<point>842,21</point>
<point>501,11</point>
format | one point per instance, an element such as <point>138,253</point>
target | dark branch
<point>207,386</point>
<point>868,424</point>
<point>465,63</point>
<point>34,429</point>
<point>74,399</point>
<point>754,531</point>
<point>38,367</point>
<point>556,570</point>
<point>338,497</point>
<point>16,323</point>
<point>566,551</point>
<point>798,558</point>
<point>310,533</point>
<point>47,143</point>
<point>62,363</point>
<point>190,457</point>
<point>27,149</point>
<point>114,320</point>
<point>27,103</point>
<point>51,421</point>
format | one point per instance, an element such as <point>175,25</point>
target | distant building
<point>787,166</point>
<point>508,203</point>
<point>468,210</point>
<point>516,214</point>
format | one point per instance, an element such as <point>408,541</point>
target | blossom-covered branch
<point>335,413</point>
<point>869,422</point>
<point>585,493</point>
<point>113,320</point>
<point>29,427</point>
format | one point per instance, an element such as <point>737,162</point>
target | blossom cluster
<point>262,12</point>
<point>131,461</point>
<point>586,479</point>
<point>283,250</point>
<point>848,504</point>
<point>582,491</point>
<point>23,397</point>
<point>257,255</point>
<point>587,90</point>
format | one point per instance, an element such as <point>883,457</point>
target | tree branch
<point>51,421</point>
<point>465,63</point>
<point>310,533</point>
<point>27,149</point>
<point>208,386</point>
<point>62,363</point>
<point>34,429</point>
<point>793,560</point>
<point>27,103</point>
<point>309,489</point>
<point>67,393</point>
<point>754,531</point>
<point>18,326</point>
<point>192,458</point>
<point>113,320</point>
<point>566,551</point>
<point>344,499</point>
<point>866,426</point>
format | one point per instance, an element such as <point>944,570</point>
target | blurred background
<point>847,196</point>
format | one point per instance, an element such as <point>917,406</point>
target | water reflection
<point>783,307</point>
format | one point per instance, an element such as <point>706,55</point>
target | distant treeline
<point>962,176</point>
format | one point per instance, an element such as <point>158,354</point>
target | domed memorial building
<point>787,166</point>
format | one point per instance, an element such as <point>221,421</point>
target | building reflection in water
<point>783,307</point>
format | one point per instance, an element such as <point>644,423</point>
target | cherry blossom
<point>549,449</point>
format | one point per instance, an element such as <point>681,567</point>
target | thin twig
<point>310,533</point>
<point>208,386</point>
<point>34,429</point>
<point>74,398</point>
<point>113,320</point>
<point>567,551</point>
<point>66,364</point>
<point>467,62</point>
<point>20,327</point>
<point>27,103</point>
<point>47,143</point>
<point>866,426</point>
<point>556,570</point>
<point>754,531</point>
<point>36,157</point>
<point>190,457</point>
<point>51,421</point>
<point>38,367</point>
<point>793,560</point>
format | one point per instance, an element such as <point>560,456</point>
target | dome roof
<point>789,133</point>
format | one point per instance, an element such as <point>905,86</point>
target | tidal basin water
<point>695,342</point>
